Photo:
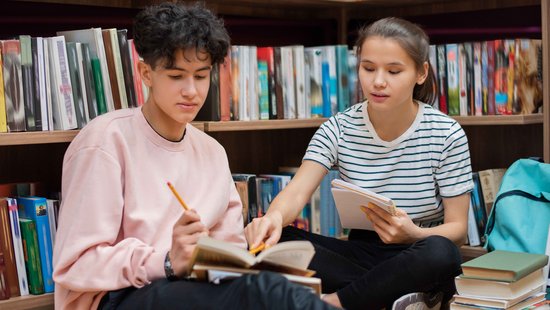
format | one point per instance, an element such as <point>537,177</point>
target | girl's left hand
<point>398,228</point>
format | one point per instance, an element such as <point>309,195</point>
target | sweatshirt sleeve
<point>89,253</point>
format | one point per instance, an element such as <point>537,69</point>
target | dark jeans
<point>368,274</point>
<point>266,290</point>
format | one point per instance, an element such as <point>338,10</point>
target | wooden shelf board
<point>263,125</point>
<point>491,120</point>
<point>44,301</point>
<point>37,137</point>
<point>64,136</point>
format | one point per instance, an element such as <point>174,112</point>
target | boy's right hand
<point>186,232</point>
<point>267,228</point>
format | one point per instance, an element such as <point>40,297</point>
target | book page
<point>297,254</point>
<point>218,252</point>
<point>349,199</point>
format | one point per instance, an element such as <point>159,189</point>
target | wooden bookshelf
<point>263,146</point>
<point>36,302</point>
<point>263,125</point>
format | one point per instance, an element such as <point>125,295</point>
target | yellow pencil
<point>177,196</point>
<point>257,249</point>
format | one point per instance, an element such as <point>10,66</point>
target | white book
<point>48,83</point>
<point>473,231</point>
<point>52,217</point>
<point>350,199</point>
<point>289,93</point>
<point>94,38</point>
<point>17,240</point>
<point>499,289</point>
<point>61,85</point>
<point>303,106</point>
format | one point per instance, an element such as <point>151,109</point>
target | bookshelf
<point>263,146</point>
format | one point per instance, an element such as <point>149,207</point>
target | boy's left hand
<point>398,228</point>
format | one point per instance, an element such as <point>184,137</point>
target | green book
<point>99,90</point>
<point>32,257</point>
<point>503,266</point>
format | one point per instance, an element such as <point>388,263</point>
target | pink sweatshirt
<point>117,213</point>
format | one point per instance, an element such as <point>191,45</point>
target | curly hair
<point>162,30</point>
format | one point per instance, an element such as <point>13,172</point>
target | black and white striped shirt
<point>429,161</point>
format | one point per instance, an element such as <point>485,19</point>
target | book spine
<point>32,257</point>
<point>36,210</point>
<point>6,247</point>
<point>18,246</point>
<point>13,91</point>
<point>3,117</point>
<point>98,83</point>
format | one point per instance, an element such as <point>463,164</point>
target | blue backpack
<point>520,218</point>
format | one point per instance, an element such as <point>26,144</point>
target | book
<point>17,241</point>
<point>496,303</point>
<point>349,199</point>
<point>216,274</point>
<point>490,180</point>
<point>6,247</point>
<point>35,208</point>
<point>501,265</point>
<point>291,257</point>
<point>530,302</point>
<point>499,289</point>
<point>13,85</point>
<point>32,256</point>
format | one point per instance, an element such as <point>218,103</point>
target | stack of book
<point>502,280</point>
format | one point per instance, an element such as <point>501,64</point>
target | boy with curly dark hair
<point>124,241</point>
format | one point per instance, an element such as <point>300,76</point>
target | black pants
<point>266,290</point>
<point>368,274</point>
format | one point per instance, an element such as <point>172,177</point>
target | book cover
<point>35,208</point>
<point>350,198</point>
<point>528,96</point>
<point>13,85</point>
<point>490,180</point>
<point>111,70</point>
<point>499,289</point>
<point>137,82</point>
<point>32,256</point>
<point>462,79</point>
<point>303,106</point>
<point>226,92</point>
<point>18,249</point>
<point>126,66</point>
<point>80,106</point>
<point>478,85</point>
<point>278,70</point>
<point>266,55</point>
<point>216,274</point>
<point>250,179</point>
<point>501,265</point>
<point>41,105</point>
<point>3,117</point>
<point>453,79</point>
<point>6,247</point>
<point>292,257</point>
<point>263,89</point>
<point>210,110</point>
<point>65,117</point>
<point>94,38</point>
<point>532,295</point>
<point>314,80</point>
<point>342,76</point>
<point>442,78</point>
<point>28,83</point>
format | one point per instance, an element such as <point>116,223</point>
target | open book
<point>290,257</point>
<point>349,198</point>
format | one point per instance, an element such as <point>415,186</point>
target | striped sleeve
<point>323,147</point>
<point>454,174</point>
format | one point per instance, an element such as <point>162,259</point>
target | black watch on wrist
<point>168,271</point>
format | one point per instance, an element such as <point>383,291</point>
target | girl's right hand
<point>267,228</point>
<point>186,232</point>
